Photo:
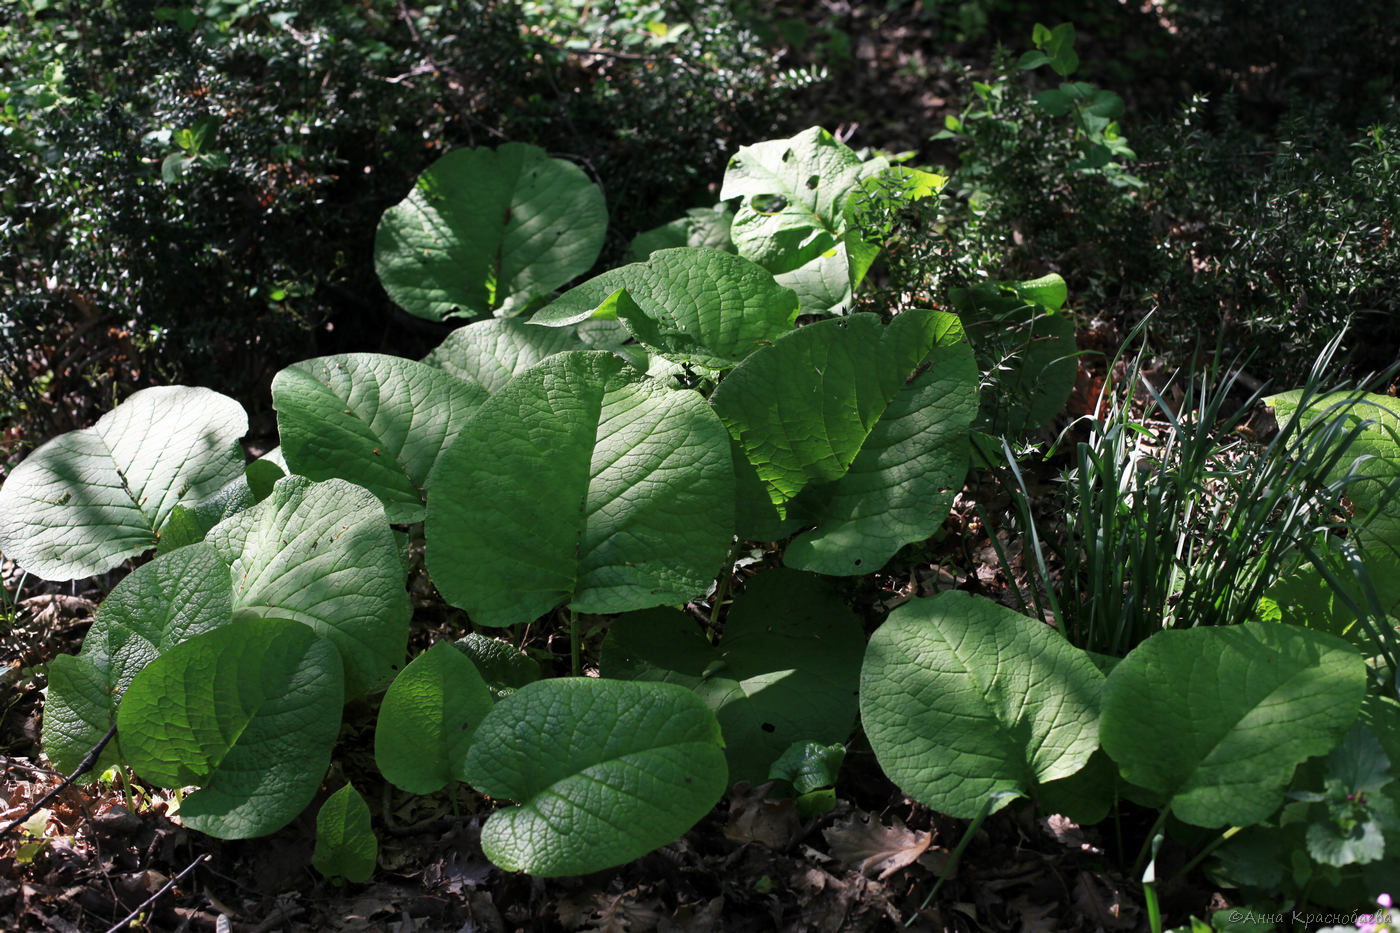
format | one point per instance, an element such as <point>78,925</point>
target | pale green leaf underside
<point>602,771</point>
<point>377,421</point>
<point>580,482</point>
<point>485,231</point>
<point>157,606</point>
<point>962,699</point>
<point>786,670</point>
<point>902,483</point>
<point>802,408</point>
<point>323,554</point>
<point>1263,699</point>
<point>427,719</point>
<point>89,499</point>
<point>698,306</point>
<point>248,712</point>
<point>345,843</point>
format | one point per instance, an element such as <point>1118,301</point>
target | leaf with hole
<point>602,772</point>
<point>486,231</point>
<point>249,713</point>
<point>963,699</point>
<point>585,483</point>
<point>89,499</point>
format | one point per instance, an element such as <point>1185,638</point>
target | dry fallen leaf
<point>870,846</point>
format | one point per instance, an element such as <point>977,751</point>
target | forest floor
<point>100,855</point>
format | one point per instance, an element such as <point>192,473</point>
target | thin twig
<point>83,766</point>
<point>116,927</point>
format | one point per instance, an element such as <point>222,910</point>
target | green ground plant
<point>597,460</point>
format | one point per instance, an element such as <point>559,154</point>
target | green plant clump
<point>596,459</point>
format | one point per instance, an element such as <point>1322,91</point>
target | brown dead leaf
<point>1100,900</point>
<point>49,608</point>
<point>1035,917</point>
<point>755,818</point>
<point>870,846</point>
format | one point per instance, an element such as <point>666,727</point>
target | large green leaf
<point>697,306</point>
<point>795,192</point>
<point>802,408</point>
<point>963,699</point>
<point>602,772</point>
<point>157,606</point>
<point>580,482</point>
<point>427,719</point>
<point>378,421</point>
<point>489,353</point>
<point>902,483</point>
<point>345,843</point>
<point>323,554</point>
<point>88,500</point>
<point>486,231</point>
<point>248,712</point>
<point>188,524</point>
<point>1218,718</point>
<point>786,670</point>
<point>504,667</point>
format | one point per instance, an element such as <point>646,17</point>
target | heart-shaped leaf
<point>427,719</point>
<point>963,699</point>
<point>602,771</point>
<point>345,843</point>
<point>1263,699</point>
<point>378,421</point>
<point>902,483</point>
<point>157,606</point>
<point>580,482</point>
<point>323,554</point>
<point>786,670</point>
<point>248,712</point>
<point>486,231</point>
<point>697,306</point>
<point>88,500</point>
<point>504,667</point>
<point>802,408</point>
